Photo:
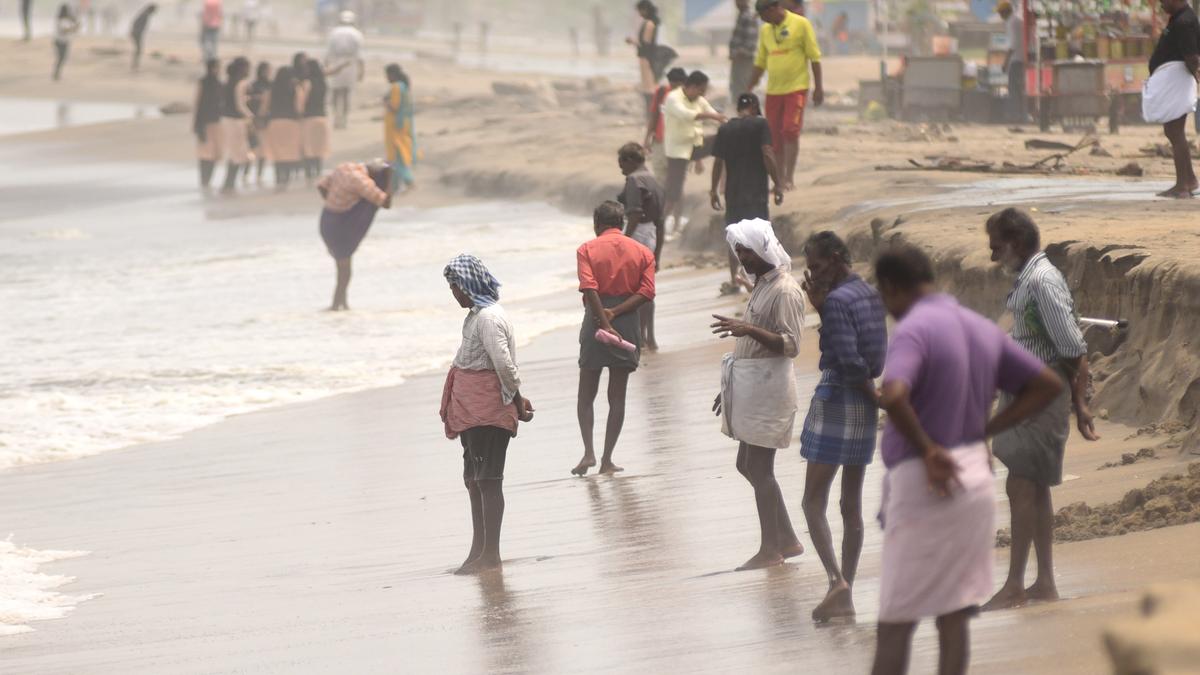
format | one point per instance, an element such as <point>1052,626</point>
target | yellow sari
<point>398,134</point>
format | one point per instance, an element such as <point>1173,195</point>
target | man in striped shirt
<point>1045,324</point>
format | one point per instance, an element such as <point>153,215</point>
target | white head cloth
<point>758,236</point>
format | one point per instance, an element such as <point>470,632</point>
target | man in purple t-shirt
<point>944,366</point>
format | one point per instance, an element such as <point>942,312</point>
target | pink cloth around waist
<point>938,552</point>
<point>472,398</point>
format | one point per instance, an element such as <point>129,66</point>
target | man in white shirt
<point>344,62</point>
<point>684,113</point>
<point>1014,61</point>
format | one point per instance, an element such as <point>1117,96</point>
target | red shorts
<point>785,115</point>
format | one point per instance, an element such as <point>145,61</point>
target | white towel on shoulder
<point>1169,93</point>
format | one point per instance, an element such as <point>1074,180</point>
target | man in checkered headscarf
<point>470,275</point>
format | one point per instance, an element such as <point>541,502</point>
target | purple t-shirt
<point>953,361</point>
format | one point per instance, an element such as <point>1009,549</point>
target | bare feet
<point>483,563</point>
<point>608,468</point>
<point>586,463</point>
<point>761,560</point>
<point>789,186</point>
<point>791,551</point>
<point>838,604</point>
<point>1176,193</point>
<point>1006,598</point>
<point>1042,592</point>
<point>651,346</point>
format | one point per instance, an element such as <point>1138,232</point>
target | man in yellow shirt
<point>787,48</point>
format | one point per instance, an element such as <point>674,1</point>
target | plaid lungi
<point>841,425</point>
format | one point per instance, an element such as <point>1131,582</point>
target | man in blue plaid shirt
<point>842,421</point>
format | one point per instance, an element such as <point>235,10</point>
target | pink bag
<point>606,338</point>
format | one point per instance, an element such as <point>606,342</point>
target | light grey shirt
<point>488,344</point>
<point>1044,313</point>
<point>776,304</point>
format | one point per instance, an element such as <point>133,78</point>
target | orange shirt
<point>614,265</point>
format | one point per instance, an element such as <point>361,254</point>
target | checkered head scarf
<point>473,278</point>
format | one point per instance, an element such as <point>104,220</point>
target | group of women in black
<point>277,117</point>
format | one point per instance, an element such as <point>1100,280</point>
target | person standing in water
<point>256,95</point>
<point>399,137</point>
<point>757,403</point>
<point>344,63</point>
<point>283,138</point>
<point>1044,323</point>
<point>839,431</point>
<point>65,27</point>
<point>482,403</point>
<point>206,123</point>
<point>137,33</point>
<point>645,222</point>
<point>316,132</point>
<point>353,193</point>
<point>235,123</point>
<point>616,277</point>
<point>944,366</point>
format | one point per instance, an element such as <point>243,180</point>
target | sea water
<point>136,320</point>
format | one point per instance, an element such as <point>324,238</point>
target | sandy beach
<point>317,531</point>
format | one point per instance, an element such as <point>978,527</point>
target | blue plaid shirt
<point>853,333</point>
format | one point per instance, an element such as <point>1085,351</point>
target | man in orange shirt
<point>616,277</point>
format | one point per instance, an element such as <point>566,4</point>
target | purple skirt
<point>343,232</point>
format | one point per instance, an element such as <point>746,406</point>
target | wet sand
<point>321,537</point>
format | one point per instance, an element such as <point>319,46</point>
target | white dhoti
<point>938,552</point>
<point>1169,93</point>
<point>758,400</point>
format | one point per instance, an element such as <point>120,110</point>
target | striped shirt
<point>853,333</point>
<point>488,344</point>
<point>1043,312</point>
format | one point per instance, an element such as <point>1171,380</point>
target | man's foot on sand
<point>582,467</point>
<point>1176,193</point>
<point>651,346</point>
<point>838,604</point>
<point>608,469</point>
<point>1006,598</point>
<point>792,551</point>
<point>761,560</point>
<point>480,564</point>
<point>1040,592</point>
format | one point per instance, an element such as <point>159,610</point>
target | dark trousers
<point>61,47</point>
<point>1018,110</point>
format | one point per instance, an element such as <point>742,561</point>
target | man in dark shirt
<point>743,151</point>
<point>643,202</point>
<point>1180,41</point>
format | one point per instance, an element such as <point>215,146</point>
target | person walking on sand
<point>399,136</point>
<point>787,50</point>
<point>206,122</point>
<point>944,366</point>
<point>65,28</point>
<point>684,141</point>
<point>647,47</point>
<point>137,33</point>
<point>655,127</point>
<point>1045,324</point>
<point>1169,94</point>
<point>27,20</point>
<point>839,431</point>
<point>315,132</point>
<point>644,220</point>
<point>743,47</point>
<point>256,95</point>
<point>353,193</point>
<point>235,122</point>
<point>211,19</point>
<point>743,150</point>
<point>283,133</point>
<point>757,403</point>
<point>344,62</point>
<point>482,403</point>
<point>616,277</point>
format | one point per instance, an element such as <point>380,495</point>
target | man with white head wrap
<point>757,403</point>
<point>482,403</point>
<point>344,62</point>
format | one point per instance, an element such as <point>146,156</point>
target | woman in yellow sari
<point>398,135</point>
